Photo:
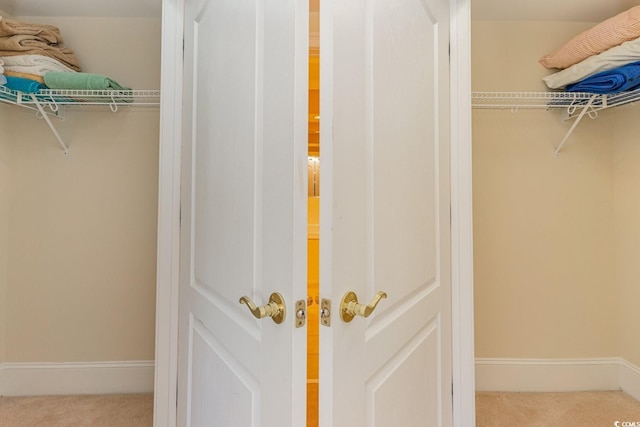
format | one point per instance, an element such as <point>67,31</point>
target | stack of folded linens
<point>603,59</point>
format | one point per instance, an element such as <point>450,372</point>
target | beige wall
<point>505,54</point>
<point>626,162</point>
<point>125,49</point>
<point>82,228</point>
<point>4,216</point>
<point>544,232</point>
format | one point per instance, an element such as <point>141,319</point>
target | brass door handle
<point>275,309</point>
<point>350,308</point>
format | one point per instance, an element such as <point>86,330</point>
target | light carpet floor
<point>131,410</point>
<point>583,409</point>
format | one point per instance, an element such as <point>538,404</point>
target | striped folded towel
<point>35,77</point>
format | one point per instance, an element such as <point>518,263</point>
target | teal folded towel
<point>80,81</point>
<point>24,85</point>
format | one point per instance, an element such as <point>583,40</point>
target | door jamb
<point>463,362</point>
<point>168,255</point>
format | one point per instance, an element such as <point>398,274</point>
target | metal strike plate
<point>325,312</point>
<point>301,313</point>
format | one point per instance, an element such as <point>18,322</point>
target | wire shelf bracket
<point>575,104</point>
<point>54,102</point>
<point>46,118</point>
<point>584,111</point>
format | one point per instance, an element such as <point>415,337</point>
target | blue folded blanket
<point>23,85</point>
<point>626,77</point>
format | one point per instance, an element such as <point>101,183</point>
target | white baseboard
<point>550,375</point>
<point>33,379</point>
<point>630,379</point>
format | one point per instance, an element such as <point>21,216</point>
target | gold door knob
<point>276,308</point>
<point>350,308</point>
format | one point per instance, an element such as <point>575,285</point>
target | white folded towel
<point>33,64</point>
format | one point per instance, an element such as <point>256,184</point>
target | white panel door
<point>385,212</point>
<point>243,218</point>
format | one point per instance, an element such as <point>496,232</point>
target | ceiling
<point>114,8</point>
<point>530,10</point>
<point>110,8</point>
<point>549,10</point>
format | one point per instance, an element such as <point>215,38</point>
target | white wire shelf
<point>47,102</point>
<point>516,100</point>
<point>575,104</point>
<point>551,100</point>
<point>71,97</point>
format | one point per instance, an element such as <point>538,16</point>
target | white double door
<point>384,222</point>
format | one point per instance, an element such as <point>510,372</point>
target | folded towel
<point>19,38</point>
<point>28,45</point>
<point>34,77</point>
<point>12,27</point>
<point>23,85</point>
<point>626,77</point>
<point>33,64</point>
<point>3,80</point>
<point>81,81</point>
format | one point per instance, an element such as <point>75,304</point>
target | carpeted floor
<point>583,409</point>
<point>132,410</point>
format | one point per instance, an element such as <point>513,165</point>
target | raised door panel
<point>243,219</point>
<point>386,225</point>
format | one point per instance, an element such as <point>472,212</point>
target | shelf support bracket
<point>46,118</point>
<point>575,124</point>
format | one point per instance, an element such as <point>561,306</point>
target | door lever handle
<point>350,307</point>
<point>276,308</point>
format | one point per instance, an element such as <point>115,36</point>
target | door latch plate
<point>325,312</point>
<point>301,313</point>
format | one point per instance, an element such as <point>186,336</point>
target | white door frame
<point>166,362</point>
<point>168,269</point>
<point>462,217</point>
